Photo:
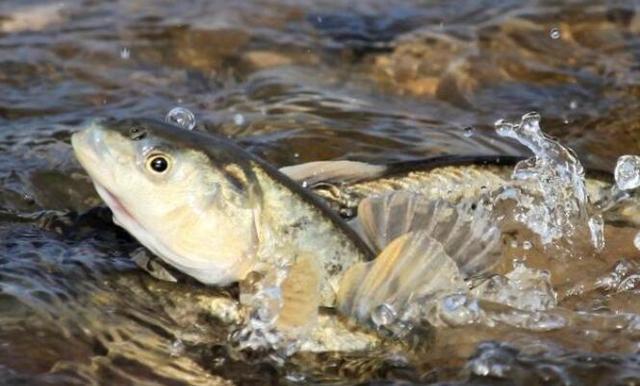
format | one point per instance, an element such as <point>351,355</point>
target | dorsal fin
<point>346,172</point>
<point>333,171</point>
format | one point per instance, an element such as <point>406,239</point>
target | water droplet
<point>492,359</point>
<point>295,377</point>
<point>636,241</point>
<point>573,105</point>
<point>177,348</point>
<point>305,184</point>
<point>555,33</point>
<point>383,315</point>
<point>238,119</point>
<point>296,155</point>
<point>627,172</point>
<point>181,117</point>
<point>596,226</point>
<point>469,131</point>
<point>459,309</point>
<point>629,283</point>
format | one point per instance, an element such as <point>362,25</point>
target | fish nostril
<point>104,120</point>
<point>137,133</point>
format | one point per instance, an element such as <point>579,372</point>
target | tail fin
<point>466,230</point>
<point>411,266</point>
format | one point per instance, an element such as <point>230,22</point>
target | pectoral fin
<point>300,295</point>
<point>466,230</point>
<point>152,265</point>
<point>412,266</point>
<point>333,172</point>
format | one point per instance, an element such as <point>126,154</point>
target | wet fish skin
<point>450,178</point>
<point>218,212</point>
<point>454,183</point>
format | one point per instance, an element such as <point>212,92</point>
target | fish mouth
<point>91,152</point>
<point>121,216</point>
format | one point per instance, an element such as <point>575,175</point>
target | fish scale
<point>451,183</point>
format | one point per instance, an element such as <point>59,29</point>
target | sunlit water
<point>301,81</point>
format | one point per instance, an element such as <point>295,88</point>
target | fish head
<point>189,197</point>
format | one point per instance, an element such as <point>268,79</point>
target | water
<point>383,315</point>
<point>627,172</point>
<point>181,117</point>
<point>549,189</point>
<point>378,81</point>
<point>596,226</point>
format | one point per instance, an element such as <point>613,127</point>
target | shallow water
<point>381,81</point>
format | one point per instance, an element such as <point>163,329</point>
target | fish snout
<point>90,141</point>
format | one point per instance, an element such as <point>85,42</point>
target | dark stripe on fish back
<point>211,145</point>
<point>312,199</point>
<point>428,164</point>
<point>404,167</point>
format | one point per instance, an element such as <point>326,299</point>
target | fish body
<point>210,209</point>
<point>219,214</point>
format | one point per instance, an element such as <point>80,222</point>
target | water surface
<point>293,81</point>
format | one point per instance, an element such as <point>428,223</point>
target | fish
<point>217,213</point>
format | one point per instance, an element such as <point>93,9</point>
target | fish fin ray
<point>466,230</point>
<point>300,295</point>
<point>413,265</point>
<point>312,173</point>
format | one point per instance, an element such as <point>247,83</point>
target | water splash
<point>181,117</point>
<point>627,172</point>
<point>383,315</point>
<point>125,53</point>
<point>624,276</point>
<point>456,310</point>
<point>523,288</point>
<point>549,189</point>
<point>238,119</point>
<point>492,359</point>
<point>596,226</point>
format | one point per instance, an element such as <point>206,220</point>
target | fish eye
<point>158,163</point>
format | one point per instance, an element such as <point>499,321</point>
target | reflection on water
<point>377,81</point>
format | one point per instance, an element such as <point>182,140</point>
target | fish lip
<point>88,143</point>
<point>116,205</point>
